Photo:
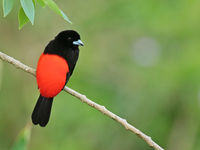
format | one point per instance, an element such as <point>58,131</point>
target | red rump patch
<point>51,74</point>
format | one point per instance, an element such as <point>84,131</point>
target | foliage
<point>22,140</point>
<point>27,10</point>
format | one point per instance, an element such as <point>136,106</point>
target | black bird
<point>55,67</point>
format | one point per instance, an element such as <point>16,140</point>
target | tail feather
<point>42,111</point>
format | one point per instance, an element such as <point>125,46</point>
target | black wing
<point>71,58</point>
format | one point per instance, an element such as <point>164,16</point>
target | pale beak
<point>78,42</point>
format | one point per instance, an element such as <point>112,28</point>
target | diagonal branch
<point>84,99</point>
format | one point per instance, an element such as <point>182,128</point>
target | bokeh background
<point>140,60</point>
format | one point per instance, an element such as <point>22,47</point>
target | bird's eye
<point>69,38</point>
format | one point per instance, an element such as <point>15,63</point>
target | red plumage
<point>51,74</point>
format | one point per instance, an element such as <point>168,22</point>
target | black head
<point>69,38</point>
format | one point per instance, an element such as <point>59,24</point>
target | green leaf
<point>29,9</point>
<point>23,138</point>
<point>22,18</point>
<point>34,3</point>
<point>52,5</point>
<point>7,6</point>
<point>41,2</point>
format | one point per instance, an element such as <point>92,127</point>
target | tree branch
<point>84,99</point>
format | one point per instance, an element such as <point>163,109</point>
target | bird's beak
<point>78,42</point>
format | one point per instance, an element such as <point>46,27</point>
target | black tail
<point>42,111</point>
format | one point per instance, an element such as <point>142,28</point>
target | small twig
<point>84,99</point>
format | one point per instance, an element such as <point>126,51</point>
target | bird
<point>54,69</point>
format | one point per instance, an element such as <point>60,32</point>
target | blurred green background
<point>140,60</point>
